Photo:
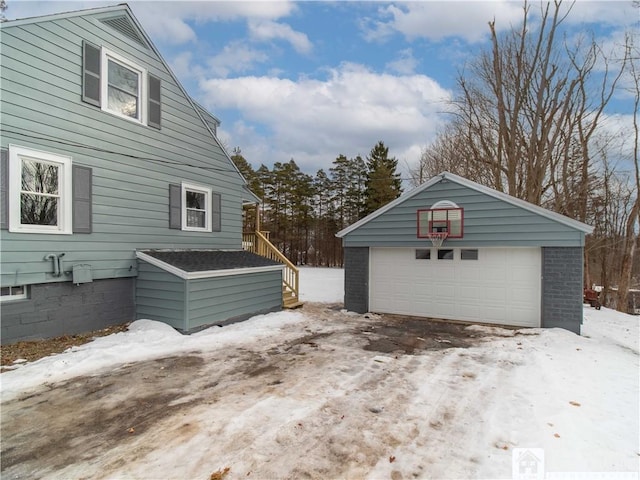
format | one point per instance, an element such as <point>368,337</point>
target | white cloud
<point>167,21</point>
<point>405,64</point>
<point>612,12</point>
<point>235,57</point>
<point>315,120</point>
<point>439,20</point>
<point>265,30</point>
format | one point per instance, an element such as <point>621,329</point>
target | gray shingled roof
<point>205,260</point>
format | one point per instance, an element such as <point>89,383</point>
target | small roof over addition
<point>192,264</point>
<point>446,176</point>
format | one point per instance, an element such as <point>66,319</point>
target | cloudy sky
<point>312,80</point>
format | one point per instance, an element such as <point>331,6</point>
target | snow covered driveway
<point>322,393</point>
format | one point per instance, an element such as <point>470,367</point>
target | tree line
<point>302,213</point>
<point>527,119</point>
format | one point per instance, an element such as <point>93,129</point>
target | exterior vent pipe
<point>57,263</point>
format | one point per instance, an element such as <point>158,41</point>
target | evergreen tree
<point>254,184</point>
<point>383,183</point>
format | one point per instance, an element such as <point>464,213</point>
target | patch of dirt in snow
<point>395,333</point>
<point>322,404</point>
<point>74,420</point>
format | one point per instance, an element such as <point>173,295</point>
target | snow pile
<point>296,395</point>
<point>612,326</point>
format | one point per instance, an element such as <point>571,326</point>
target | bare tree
<point>526,113</point>
<point>630,244</point>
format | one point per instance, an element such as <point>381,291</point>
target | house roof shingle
<point>209,260</point>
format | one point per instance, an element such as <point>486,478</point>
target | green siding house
<point>105,156</point>
<point>454,249</point>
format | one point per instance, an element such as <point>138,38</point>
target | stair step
<point>292,303</point>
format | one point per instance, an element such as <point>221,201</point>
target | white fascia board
<point>557,217</point>
<point>204,274</point>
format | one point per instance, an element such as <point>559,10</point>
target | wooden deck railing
<point>259,244</point>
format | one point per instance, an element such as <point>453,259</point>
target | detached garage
<point>457,250</point>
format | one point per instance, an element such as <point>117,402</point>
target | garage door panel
<point>501,286</point>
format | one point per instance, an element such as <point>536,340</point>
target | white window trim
<point>65,218</point>
<point>199,189</point>
<point>12,298</point>
<point>105,56</point>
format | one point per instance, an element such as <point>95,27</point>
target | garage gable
<point>491,218</point>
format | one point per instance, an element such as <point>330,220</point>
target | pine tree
<point>383,183</point>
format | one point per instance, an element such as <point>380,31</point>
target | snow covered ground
<point>311,394</point>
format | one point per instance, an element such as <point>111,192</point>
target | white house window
<point>13,293</point>
<point>124,87</point>
<point>196,208</point>
<point>39,191</point>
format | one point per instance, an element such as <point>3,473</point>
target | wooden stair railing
<point>259,244</point>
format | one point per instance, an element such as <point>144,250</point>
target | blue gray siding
<point>488,221</point>
<point>189,305</point>
<point>562,287</point>
<point>222,300</point>
<point>160,296</point>
<point>66,309</point>
<point>356,279</point>
<point>132,164</point>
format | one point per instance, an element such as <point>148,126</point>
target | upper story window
<point>123,87</point>
<point>120,86</point>
<point>40,191</point>
<point>196,208</point>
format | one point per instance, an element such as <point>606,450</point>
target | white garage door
<point>490,285</point>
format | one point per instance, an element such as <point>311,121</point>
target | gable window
<point>123,86</point>
<point>118,85</point>
<point>13,293</point>
<point>40,191</point>
<point>196,208</point>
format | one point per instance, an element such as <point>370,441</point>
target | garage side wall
<point>356,279</point>
<point>562,287</point>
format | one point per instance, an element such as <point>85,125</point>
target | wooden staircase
<point>259,244</point>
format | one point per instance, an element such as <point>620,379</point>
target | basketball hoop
<point>437,238</point>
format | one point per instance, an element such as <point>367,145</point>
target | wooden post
<point>257,205</point>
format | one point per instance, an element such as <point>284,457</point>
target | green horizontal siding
<point>41,107</point>
<point>160,296</point>
<point>487,222</point>
<point>218,299</point>
<point>190,304</point>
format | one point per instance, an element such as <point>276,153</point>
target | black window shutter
<point>90,74</point>
<point>216,212</point>
<point>4,189</point>
<point>175,207</point>
<point>82,188</point>
<point>155,110</point>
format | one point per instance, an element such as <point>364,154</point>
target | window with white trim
<point>196,208</point>
<point>124,87</point>
<point>13,293</point>
<point>40,191</point>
